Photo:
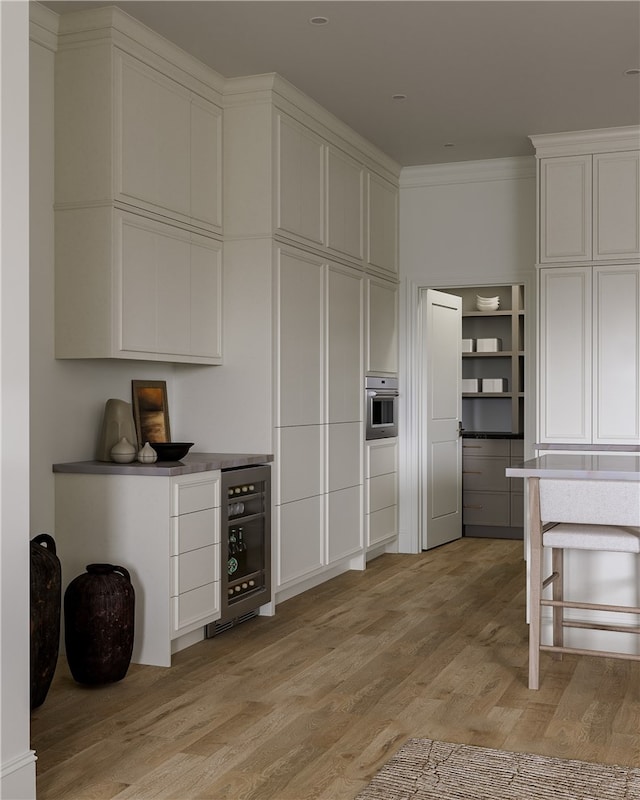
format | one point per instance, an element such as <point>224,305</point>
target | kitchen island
<point>591,487</point>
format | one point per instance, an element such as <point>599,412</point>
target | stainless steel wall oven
<point>381,395</point>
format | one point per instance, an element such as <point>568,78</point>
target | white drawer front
<point>199,606</point>
<point>195,530</point>
<point>193,569</point>
<point>382,458</point>
<point>382,524</point>
<point>382,492</point>
<point>194,494</point>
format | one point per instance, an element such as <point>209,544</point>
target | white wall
<point>67,397</point>
<point>469,223</point>
<point>17,762</point>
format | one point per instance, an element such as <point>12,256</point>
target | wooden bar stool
<point>601,515</point>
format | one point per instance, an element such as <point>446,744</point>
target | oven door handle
<point>388,393</point>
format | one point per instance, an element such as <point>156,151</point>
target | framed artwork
<point>151,411</point>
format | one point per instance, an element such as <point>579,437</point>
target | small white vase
<point>123,452</point>
<point>147,455</point>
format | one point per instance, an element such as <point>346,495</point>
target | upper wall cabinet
<point>345,208</point>
<point>299,181</point>
<point>589,196</point>
<point>326,196</point>
<point>138,211</point>
<point>382,196</point>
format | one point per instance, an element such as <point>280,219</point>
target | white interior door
<point>441,403</point>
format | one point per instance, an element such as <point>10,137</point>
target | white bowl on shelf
<point>487,303</point>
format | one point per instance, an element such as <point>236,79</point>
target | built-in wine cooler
<point>245,536</point>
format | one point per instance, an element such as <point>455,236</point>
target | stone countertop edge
<point>579,467</point>
<point>190,464</point>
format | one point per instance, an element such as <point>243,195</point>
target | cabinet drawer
<point>199,606</point>
<point>383,492</point>
<point>517,510</point>
<point>485,447</point>
<point>194,495</point>
<point>382,459</point>
<point>517,449</point>
<point>485,508</point>
<point>485,474</point>
<point>191,531</point>
<point>382,524</point>
<point>193,569</point>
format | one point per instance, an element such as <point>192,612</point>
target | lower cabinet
<point>490,500</point>
<point>165,531</point>
<point>381,492</point>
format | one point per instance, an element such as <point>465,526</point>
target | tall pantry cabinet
<point>589,283</point>
<point>311,215</point>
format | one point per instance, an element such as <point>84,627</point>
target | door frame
<point>410,443</point>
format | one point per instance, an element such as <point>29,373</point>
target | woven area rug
<point>426,770</point>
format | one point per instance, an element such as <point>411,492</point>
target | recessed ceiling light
<point>319,20</point>
<point>448,144</point>
<point>632,71</point>
<point>398,96</point>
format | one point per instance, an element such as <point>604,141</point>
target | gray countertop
<point>579,467</point>
<point>191,463</point>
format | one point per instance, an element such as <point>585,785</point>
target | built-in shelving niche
<point>498,412</point>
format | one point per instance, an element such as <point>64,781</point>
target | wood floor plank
<point>308,704</point>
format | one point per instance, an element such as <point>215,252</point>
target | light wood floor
<point>310,703</point>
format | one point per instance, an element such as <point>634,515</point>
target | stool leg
<point>535,582</point>
<point>557,561</point>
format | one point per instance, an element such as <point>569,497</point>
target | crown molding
<point>43,26</point>
<point>492,169</point>
<point>600,140</point>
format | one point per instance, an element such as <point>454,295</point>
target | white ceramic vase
<point>147,455</point>
<point>123,452</point>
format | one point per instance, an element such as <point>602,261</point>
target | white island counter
<point>593,576</point>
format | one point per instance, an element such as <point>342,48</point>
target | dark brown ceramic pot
<point>46,594</point>
<point>99,610</point>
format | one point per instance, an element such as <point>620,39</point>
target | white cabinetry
<point>589,382</point>
<point>319,346</point>
<point>589,196</point>
<point>381,492</point>
<point>165,531</point>
<point>382,326</point>
<point>136,134</point>
<point>382,227</point>
<point>345,208</point>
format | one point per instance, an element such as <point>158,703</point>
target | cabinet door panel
<point>485,508</point>
<point>382,347</point>
<point>344,523</point>
<point>205,282</point>
<point>344,455</point>
<point>300,339</point>
<point>383,458</point>
<point>345,217</point>
<point>193,569</point>
<point>205,161</point>
<point>383,524</point>
<point>616,205</point>
<point>195,530</point>
<point>300,198</point>
<point>138,274</point>
<point>616,396</point>
<point>195,608</point>
<point>565,355</point>
<point>565,209</point>
<point>173,296</point>
<point>382,228</point>
<point>300,533</point>
<point>383,491</point>
<point>344,337</point>
<point>301,464</point>
<point>485,474</point>
<point>154,122</point>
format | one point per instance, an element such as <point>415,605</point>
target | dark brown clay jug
<point>99,610</point>
<point>46,595</point>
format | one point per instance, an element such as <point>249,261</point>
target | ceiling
<point>479,77</point>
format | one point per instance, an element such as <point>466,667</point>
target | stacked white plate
<point>487,303</point>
